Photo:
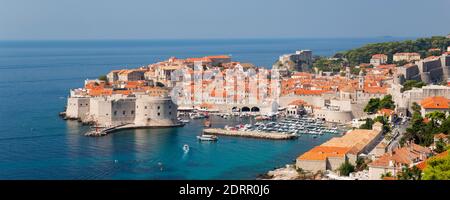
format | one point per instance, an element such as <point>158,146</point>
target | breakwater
<point>250,134</point>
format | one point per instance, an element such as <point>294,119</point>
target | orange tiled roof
<point>436,102</point>
<point>385,111</point>
<point>405,155</point>
<point>375,90</point>
<point>423,164</point>
<point>218,57</point>
<point>352,142</point>
<point>378,56</point>
<point>431,58</point>
<point>206,59</point>
<point>302,91</point>
<point>388,66</point>
<point>440,136</point>
<point>100,92</point>
<point>323,152</point>
<point>298,102</point>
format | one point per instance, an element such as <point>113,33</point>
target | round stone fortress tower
<point>155,112</point>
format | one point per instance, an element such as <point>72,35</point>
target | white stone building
<point>140,110</point>
<point>378,59</point>
<point>408,57</point>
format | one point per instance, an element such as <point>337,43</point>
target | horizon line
<point>218,38</point>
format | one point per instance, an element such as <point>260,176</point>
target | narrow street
<point>398,132</point>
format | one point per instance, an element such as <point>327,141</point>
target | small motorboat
<point>185,121</point>
<point>207,138</point>
<point>186,148</point>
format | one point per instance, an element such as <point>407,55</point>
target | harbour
<point>33,131</point>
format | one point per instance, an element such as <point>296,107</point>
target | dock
<point>250,134</point>
<point>104,130</point>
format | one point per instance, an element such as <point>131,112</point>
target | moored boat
<point>207,138</point>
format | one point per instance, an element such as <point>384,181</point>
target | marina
<point>41,135</point>
<point>296,126</point>
<point>251,134</point>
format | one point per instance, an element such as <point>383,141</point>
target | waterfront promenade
<point>251,134</point>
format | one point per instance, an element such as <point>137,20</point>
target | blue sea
<point>35,143</point>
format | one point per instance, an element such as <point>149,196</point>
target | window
<point>81,104</point>
<point>158,107</point>
<point>170,113</point>
<point>145,114</point>
<point>170,106</point>
<point>115,113</point>
<point>159,114</point>
<point>145,107</point>
<point>123,112</point>
<point>132,112</point>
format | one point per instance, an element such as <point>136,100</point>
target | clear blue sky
<point>156,19</point>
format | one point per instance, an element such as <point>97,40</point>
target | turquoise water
<point>35,78</point>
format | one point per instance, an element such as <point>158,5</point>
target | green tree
<point>416,107</point>
<point>421,45</point>
<point>372,106</point>
<point>103,78</point>
<point>361,163</point>
<point>346,168</point>
<point>410,174</point>
<point>368,125</point>
<point>387,102</point>
<point>440,146</point>
<point>445,126</point>
<point>384,120</point>
<point>436,117</point>
<point>437,169</point>
<point>387,174</point>
<point>355,71</point>
<point>376,104</point>
<point>409,84</point>
<point>328,65</point>
<point>420,132</point>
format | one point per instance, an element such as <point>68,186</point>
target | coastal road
<point>398,130</point>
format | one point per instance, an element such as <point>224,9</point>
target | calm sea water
<point>35,78</point>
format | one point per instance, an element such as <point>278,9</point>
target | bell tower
<point>361,80</point>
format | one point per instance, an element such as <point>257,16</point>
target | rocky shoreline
<point>289,172</point>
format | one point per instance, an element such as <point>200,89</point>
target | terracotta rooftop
<point>323,152</point>
<point>298,102</point>
<point>352,142</point>
<point>378,56</point>
<point>436,102</point>
<point>386,112</point>
<point>356,139</point>
<point>405,156</point>
<point>423,164</point>
<point>440,136</point>
<point>218,57</point>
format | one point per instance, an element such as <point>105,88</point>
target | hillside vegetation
<point>421,46</point>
